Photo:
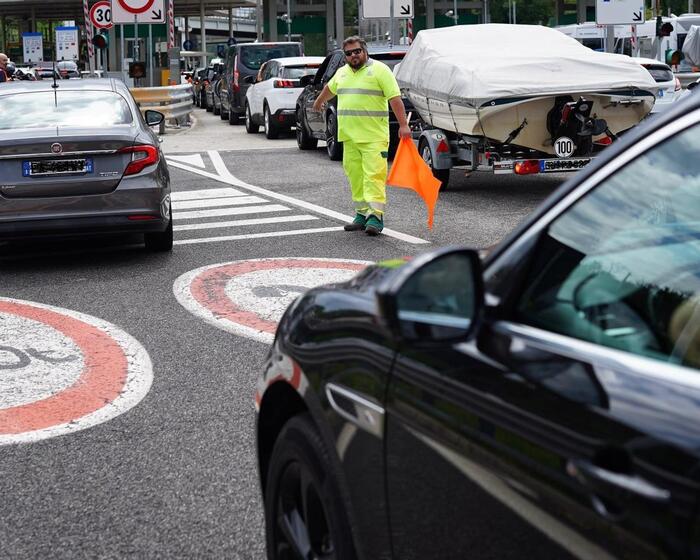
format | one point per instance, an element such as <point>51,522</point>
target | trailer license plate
<point>53,167</point>
<point>559,165</point>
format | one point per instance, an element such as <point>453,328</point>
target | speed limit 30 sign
<point>101,14</point>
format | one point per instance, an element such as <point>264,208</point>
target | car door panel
<point>580,389</point>
<point>505,441</point>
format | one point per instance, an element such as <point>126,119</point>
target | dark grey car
<point>80,159</point>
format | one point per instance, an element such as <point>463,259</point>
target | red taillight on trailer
<point>529,167</point>
<point>443,147</point>
<point>605,141</point>
<point>141,157</point>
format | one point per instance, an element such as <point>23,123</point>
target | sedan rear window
<point>254,56</point>
<point>93,109</point>
<point>660,73</point>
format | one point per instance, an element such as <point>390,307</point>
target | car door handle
<point>597,478</point>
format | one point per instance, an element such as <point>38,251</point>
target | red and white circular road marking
<point>62,371</point>
<point>248,298</point>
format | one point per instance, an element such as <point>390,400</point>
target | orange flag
<point>409,171</point>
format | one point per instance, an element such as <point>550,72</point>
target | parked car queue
<point>273,86</point>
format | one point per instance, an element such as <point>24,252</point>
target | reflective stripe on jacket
<point>363,109</point>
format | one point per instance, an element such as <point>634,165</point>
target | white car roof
<point>299,60</point>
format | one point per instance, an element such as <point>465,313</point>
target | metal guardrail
<point>687,77</point>
<point>175,102</point>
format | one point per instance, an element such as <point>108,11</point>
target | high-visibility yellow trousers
<point>365,165</point>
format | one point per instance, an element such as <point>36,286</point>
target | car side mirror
<point>435,298</point>
<point>153,118</point>
<point>306,80</point>
<point>249,80</point>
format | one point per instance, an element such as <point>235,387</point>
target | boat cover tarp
<point>475,64</point>
<point>691,46</point>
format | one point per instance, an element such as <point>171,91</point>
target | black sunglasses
<point>353,51</point>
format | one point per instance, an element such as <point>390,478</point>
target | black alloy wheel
<point>250,126</point>
<point>333,147</point>
<point>304,512</point>
<point>442,175</point>
<point>304,140</point>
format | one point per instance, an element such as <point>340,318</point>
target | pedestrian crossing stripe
<point>199,211</point>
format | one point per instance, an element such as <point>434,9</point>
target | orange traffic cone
<point>409,171</point>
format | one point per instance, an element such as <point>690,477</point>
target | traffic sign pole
<point>88,36</point>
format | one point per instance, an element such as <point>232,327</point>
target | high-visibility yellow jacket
<point>363,110</point>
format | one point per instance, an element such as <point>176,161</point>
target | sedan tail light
<point>141,157</point>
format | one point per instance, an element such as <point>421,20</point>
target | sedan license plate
<point>559,165</point>
<point>54,167</point>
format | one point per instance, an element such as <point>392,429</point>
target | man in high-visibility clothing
<point>364,86</point>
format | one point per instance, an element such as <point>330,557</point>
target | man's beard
<point>357,64</point>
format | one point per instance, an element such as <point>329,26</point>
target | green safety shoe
<point>358,224</point>
<point>374,225</point>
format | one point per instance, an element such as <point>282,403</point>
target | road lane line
<point>226,177</point>
<point>256,235</point>
<point>217,202</point>
<point>249,222</point>
<point>206,193</point>
<point>177,216</point>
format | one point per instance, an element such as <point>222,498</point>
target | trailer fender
<point>432,138</point>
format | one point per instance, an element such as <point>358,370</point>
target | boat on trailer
<point>524,86</point>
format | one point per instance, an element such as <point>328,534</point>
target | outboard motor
<point>573,119</point>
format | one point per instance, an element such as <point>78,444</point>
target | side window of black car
<point>621,267</point>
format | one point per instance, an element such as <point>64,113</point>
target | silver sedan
<point>77,157</point>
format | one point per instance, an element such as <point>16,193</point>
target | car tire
<point>203,101</point>
<point>442,175</point>
<point>272,131</point>
<point>299,466</point>
<point>209,107</point>
<point>250,126</point>
<point>333,147</point>
<point>217,109</point>
<point>160,241</point>
<point>304,140</point>
<point>233,118</point>
<point>223,114</point>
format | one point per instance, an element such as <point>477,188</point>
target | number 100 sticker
<point>564,147</point>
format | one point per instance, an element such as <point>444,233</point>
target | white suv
<point>271,99</point>
<point>669,86</point>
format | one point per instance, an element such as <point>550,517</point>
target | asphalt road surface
<point>165,466</point>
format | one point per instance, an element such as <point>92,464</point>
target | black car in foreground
<point>312,126</point>
<point>541,402</point>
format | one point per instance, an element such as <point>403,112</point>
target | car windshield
<point>93,109</point>
<point>294,72</point>
<point>660,73</point>
<point>253,57</point>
